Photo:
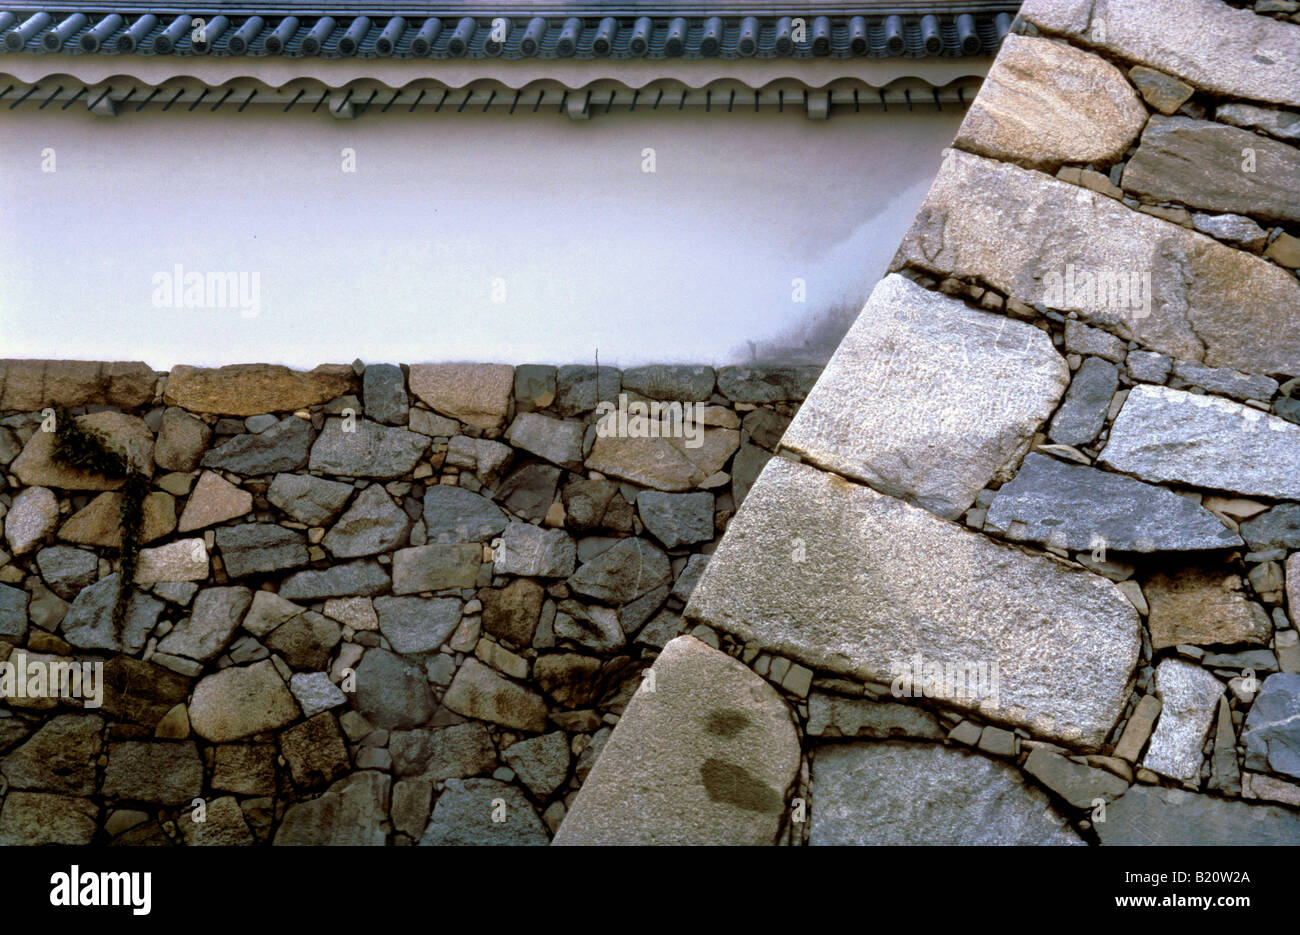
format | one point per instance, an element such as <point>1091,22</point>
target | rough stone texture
<point>241,701</point>
<point>579,388</point>
<point>362,577</point>
<point>315,693</point>
<point>1189,696</point>
<point>1203,606</point>
<point>1199,163</point>
<point>904,794</point>
<point>454,514</point>
<point>141,691</point>
<point>306,641</point>
<point>801,572</point>
<point>372,524</point>
<point>479,692</point>
<point>531,550</point>
<point>251,389</point>
<point>672,383</point>
<point>990,383</point>
<point>1045,103</point>
<point>672,463</point>
<point>29,819</point>
<point>224,826</point>
<point>100,521</point>
<point>623,572</point>
<point>767,383</point>
<point>352,813</point>
<point>417,624</point>
<point>59,757</point>
<point>125,434</point>
<point>1272,733</point>
<point>478,394</point>
<point>163,772</point>
<point>211,623</point>
<point>372,450</point>
<point>315,751</point>
<point>1279,123</point>
<point>384,387</point>
<point>707,758</point>
<point>1277,528</point>
<point>1216,47</point>
<point>835,716</point>
<point>182,560</point>
<point>67,570</point>
<point>511,612</point>
<point>542,763</point>
<point>677,519</point>
<point>282,447</point>
<point>1069,506</point>
<point>449,753</point>
<point>32,517</point>
<point>311,500</point>
<point>1164,93</point>
<point>1167,435</point>
<point>557,440</point>
<point>1224,380</point>
<point>1208,302</point>
<point>1077,784</point>
<point>13,612</point>
<point>1083,411</point>
<point>464,816</point>
<point>182,440</point>
<point>89,622</point>
<point>530,491</point>
<point>436,567</point>
<point>213,500</point>
<point>33,385</point>
<point>1233,228</point>
<point>1151,815</point>
<point>257,548</point>
<point>392,692</point>
<point>534,387</point>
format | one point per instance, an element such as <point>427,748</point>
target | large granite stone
<point>1044,241</point>
<point>1272,733</point>
<point>1083,411</point>
<point>1203,605</point>
<point>475,393</point>
<point>436,567</point>
<point>384,386</point>
<point>536,552</point>
<point>363,577</point>
<point>372,450</point>
<point>126,435</point>
<point>417,624</point>
<point>1071,506</point>
<point>89,622</point>
<point>32,517</point>
<point>311,500</point>
<point>141,692</point>
<point>622,573</point>
<point>557,440</point>
<point>282,447</point>
<point>677,519</point>
<point>454,514</point>
<point>211,623</point>
<point>100,521</point>
<point>33,385</point>
<point>60,757</point>
<point>1172,817</point>
<point>1171,436</point>
<point>241,700</point>
<point>1217,47</point>
<point>29,819</point>
<point>447,753</point>
<point>989,381</point>
<point>479,692</point>
<point>67,570</point>
<point>475,812</point>
<point>906,794</point>
<point>708,757</point>
<point>1199,163</point>
<point>1045,103</point>
<point>258,548</point>
<point>1189,698</point>
<point>252,389</point>
<point>162,772</point>
<point>392,692</point>
<point>846,580</point>
<point>213,500</point>
<point>672,462</point>
<point>352,813</point>
<point>182,440</point>
<point>372,524</point>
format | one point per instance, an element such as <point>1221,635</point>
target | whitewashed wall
<point>397,260</point>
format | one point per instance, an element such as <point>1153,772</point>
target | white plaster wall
<point>396,261</point>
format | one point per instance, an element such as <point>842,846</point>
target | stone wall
<point>1026,569</point>
<point>365,595</point>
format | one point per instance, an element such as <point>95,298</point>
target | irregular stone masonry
<point>1077,584</point>
<point>371,600</point>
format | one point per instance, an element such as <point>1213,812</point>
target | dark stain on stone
<point>737,786</point>
<point>726,723</point>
